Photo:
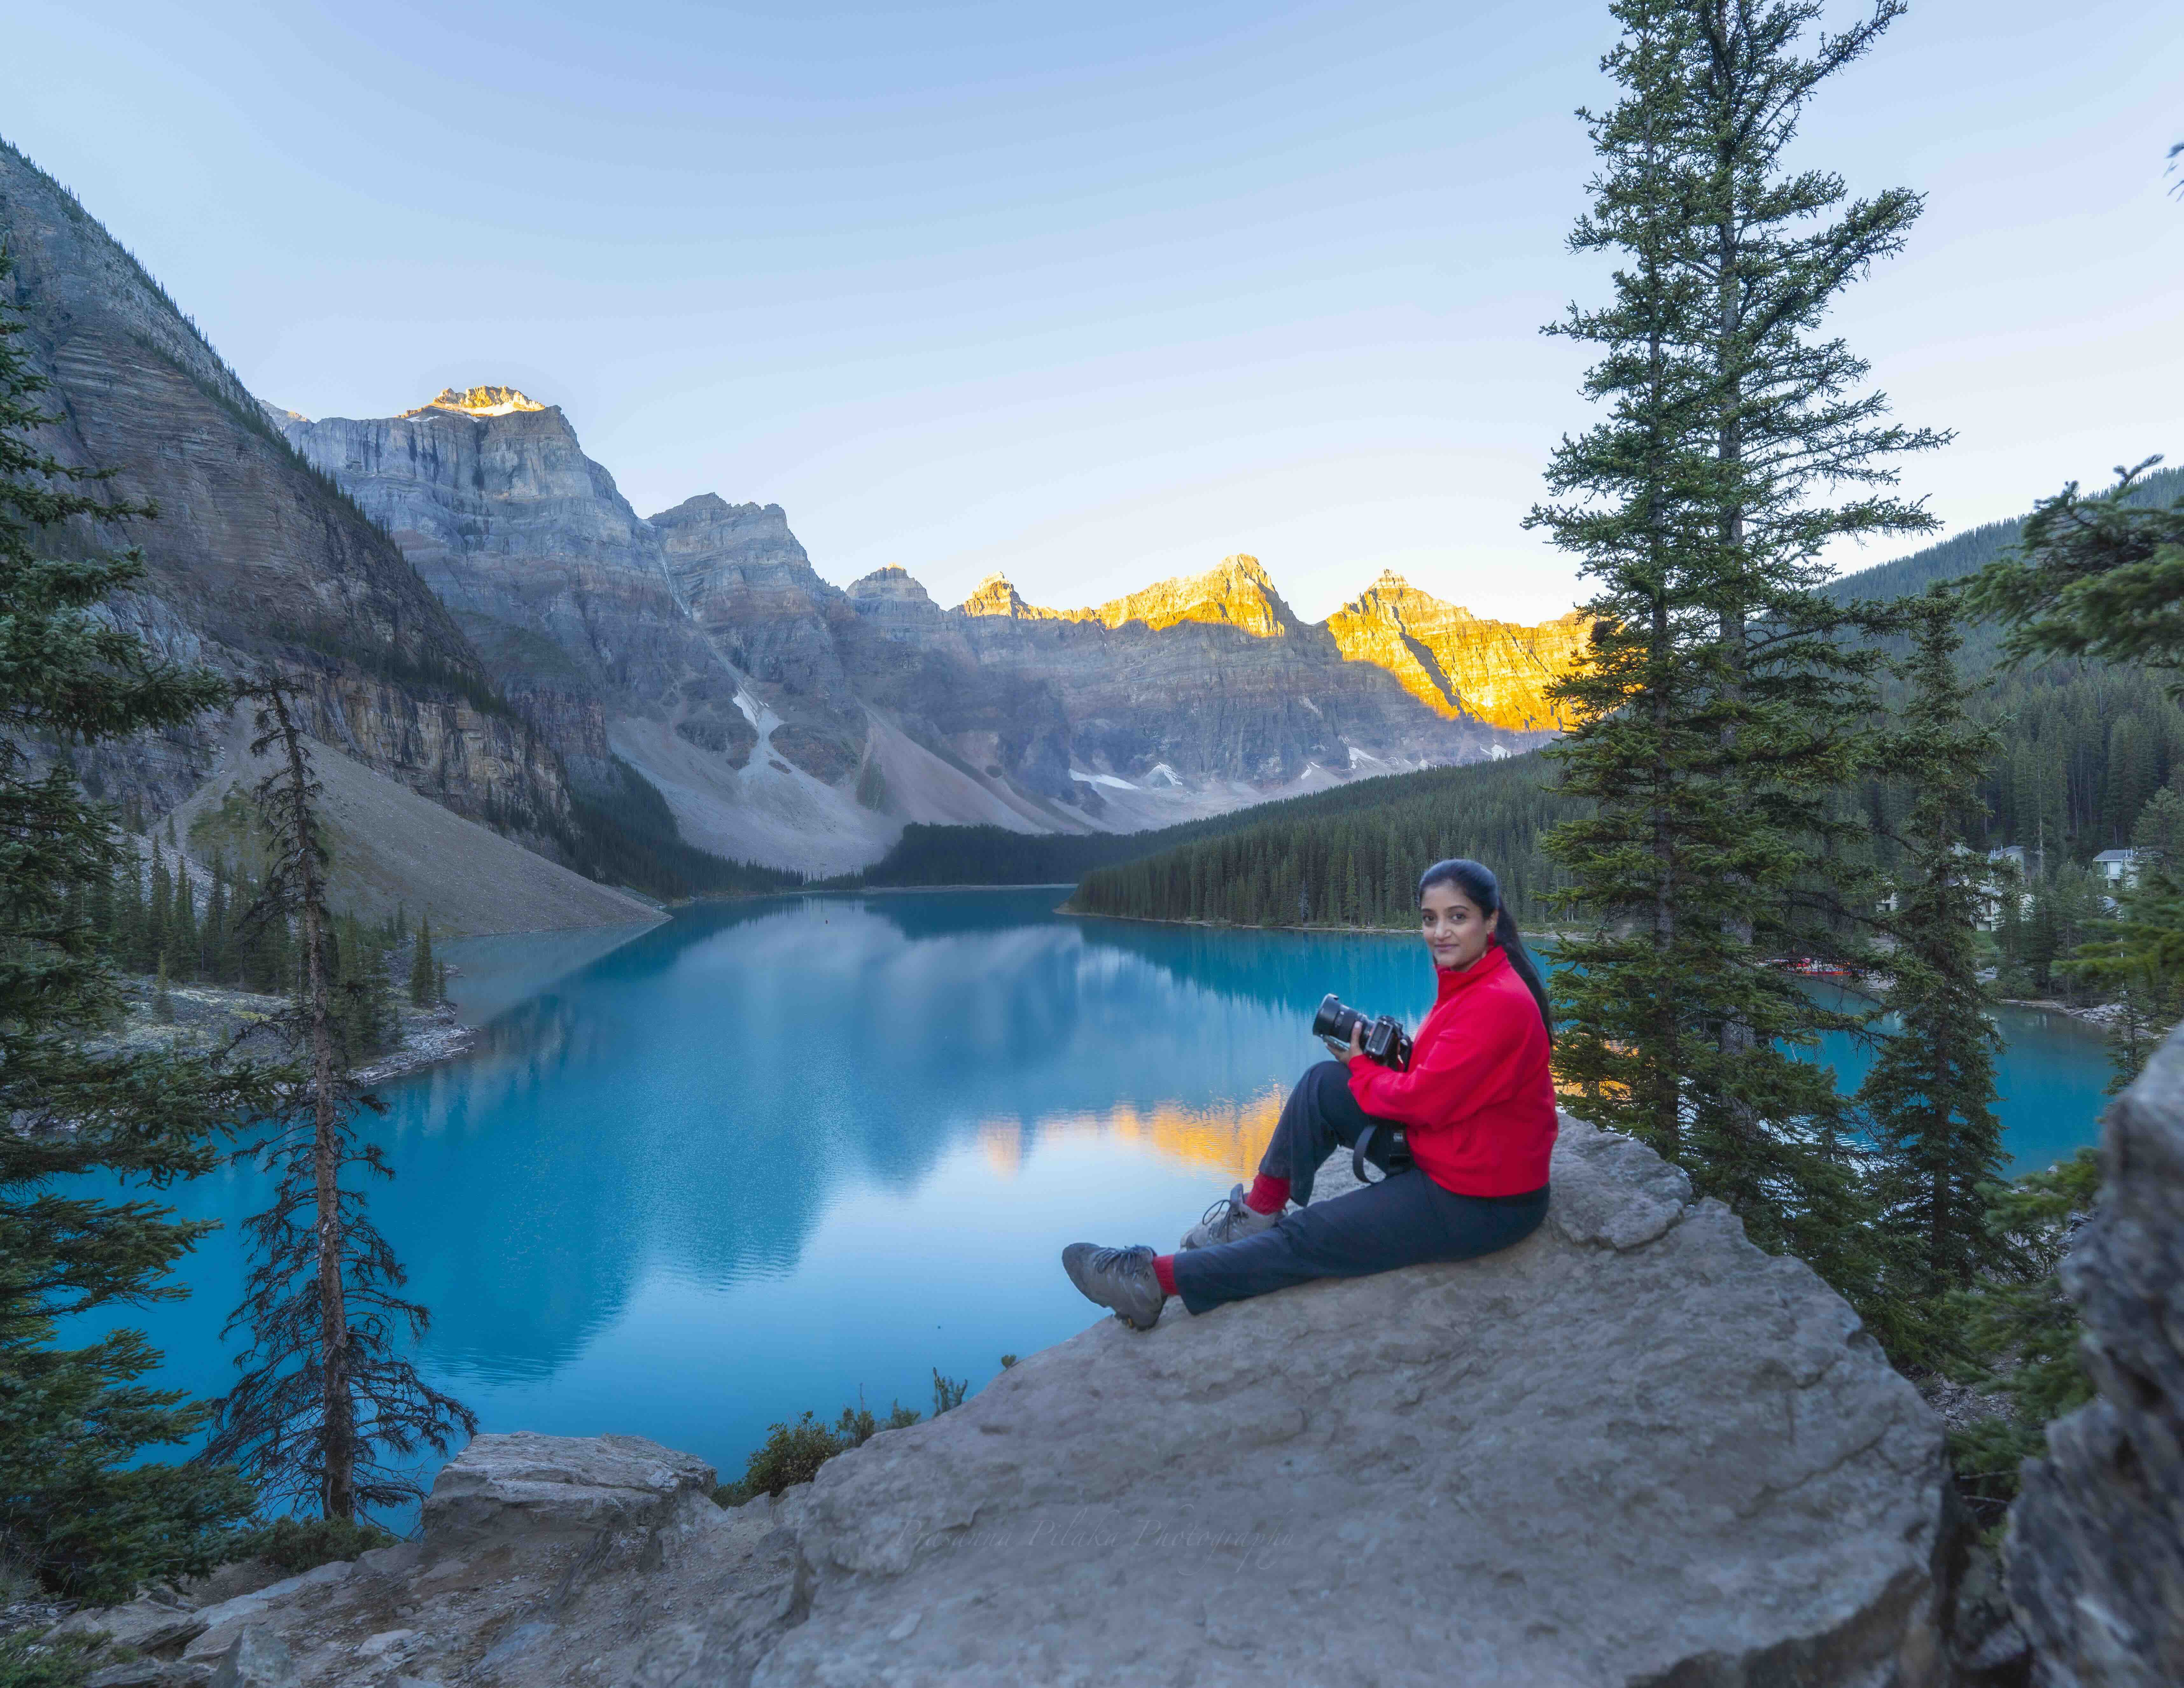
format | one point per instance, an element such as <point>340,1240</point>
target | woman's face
<point>1454,929</point>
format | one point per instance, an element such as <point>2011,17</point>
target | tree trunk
<point>337,1410</point>
<point>1736,1038</point>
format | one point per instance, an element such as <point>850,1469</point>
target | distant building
<point>2118,867</point>
<point>2009,855</point>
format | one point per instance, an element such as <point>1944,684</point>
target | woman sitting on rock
<point>1477,1106</point>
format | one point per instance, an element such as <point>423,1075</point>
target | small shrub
<point>948,1393</point>
<point>298,1545</point>
<point>791,1454</point>
<point>1984,1458</point>
<point>27,1662</point>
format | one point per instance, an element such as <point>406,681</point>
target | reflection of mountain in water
<point>1229,1137</point>
<point>691,1101</point>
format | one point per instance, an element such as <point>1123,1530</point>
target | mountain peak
<point>479,401</point>
<point>893,585</point>
<point>994,596</point>
<point>1238,593</point>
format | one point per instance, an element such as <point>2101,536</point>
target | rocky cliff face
<point>1455,663</point>
<point>1214,678</point>
<point>253,557</point>
<point>1633,1449</point>
<point>2095,1552</point>
<point>557,580</point>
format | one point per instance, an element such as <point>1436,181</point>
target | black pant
<point>1402,1220</point>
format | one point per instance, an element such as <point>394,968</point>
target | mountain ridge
<point>793,722</point>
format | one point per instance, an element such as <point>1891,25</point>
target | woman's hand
<point>1348,1051</point>
<point>1356,1047</point>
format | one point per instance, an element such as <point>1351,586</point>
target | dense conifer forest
<point>993,855</point>
<point>1352,867</point>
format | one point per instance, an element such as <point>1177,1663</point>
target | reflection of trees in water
<point>1285,971</point>
<point>690,1102</point>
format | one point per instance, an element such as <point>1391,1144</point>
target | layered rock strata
<point>2095,1553</point>
<point>557,580</point>
<point>254,556</point>
<point>1632,1449</point>
<point>1457,664</point>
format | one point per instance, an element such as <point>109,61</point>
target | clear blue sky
<point>1095,295</point>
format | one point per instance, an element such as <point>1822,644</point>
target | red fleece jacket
<point>1477,1103</point>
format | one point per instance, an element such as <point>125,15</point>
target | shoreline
<point>207,1015</point>
<point>435,1035</point>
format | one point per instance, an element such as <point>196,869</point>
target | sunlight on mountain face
<point>1227,1137</point>
<point>1456,663</point>
<point>479,401</point>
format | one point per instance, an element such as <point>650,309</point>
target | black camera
<point>1386,1039</point>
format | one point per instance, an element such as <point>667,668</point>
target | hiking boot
<point>1226,1220</point>
<point>1120,1278</point>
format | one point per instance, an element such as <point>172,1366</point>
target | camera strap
<point>1358,1149</point>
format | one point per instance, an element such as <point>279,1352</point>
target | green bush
<point>298,1545</point>
<point>793,1453</point>
<point>26,1661</point>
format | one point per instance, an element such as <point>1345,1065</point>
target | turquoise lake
<point>772,1155</point>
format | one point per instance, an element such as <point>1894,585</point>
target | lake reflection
<point>768,1155</point>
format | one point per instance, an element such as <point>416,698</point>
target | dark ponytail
<point>1477,881</point>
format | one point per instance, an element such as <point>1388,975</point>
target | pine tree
<point>182,941</point>
<point>79,1502</point>
<point>99,911</point>
<point>1720,707</point>
<point>364,1005</point>
<point>328,1409</point>
<point>157,927</point>
<point>1932,1089</point>
<point>2136,958</point>
<point>2100,577</point>
<point>214,940</point>
<point>422,991</point>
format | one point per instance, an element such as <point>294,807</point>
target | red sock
<point>1164,1269</point>
<point>1267,1195</point>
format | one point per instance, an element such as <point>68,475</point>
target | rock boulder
<point>2095,1546</point>
<point>527,1484</point>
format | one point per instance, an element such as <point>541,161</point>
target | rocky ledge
<point>2095,1553</point>
<point>1633,1449</point>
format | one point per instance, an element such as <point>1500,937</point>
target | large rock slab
<point>526,1482</point>
<point>2096,1548</point>
<point>1632,1449</point>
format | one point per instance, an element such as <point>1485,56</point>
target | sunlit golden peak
<point>483,401</point>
